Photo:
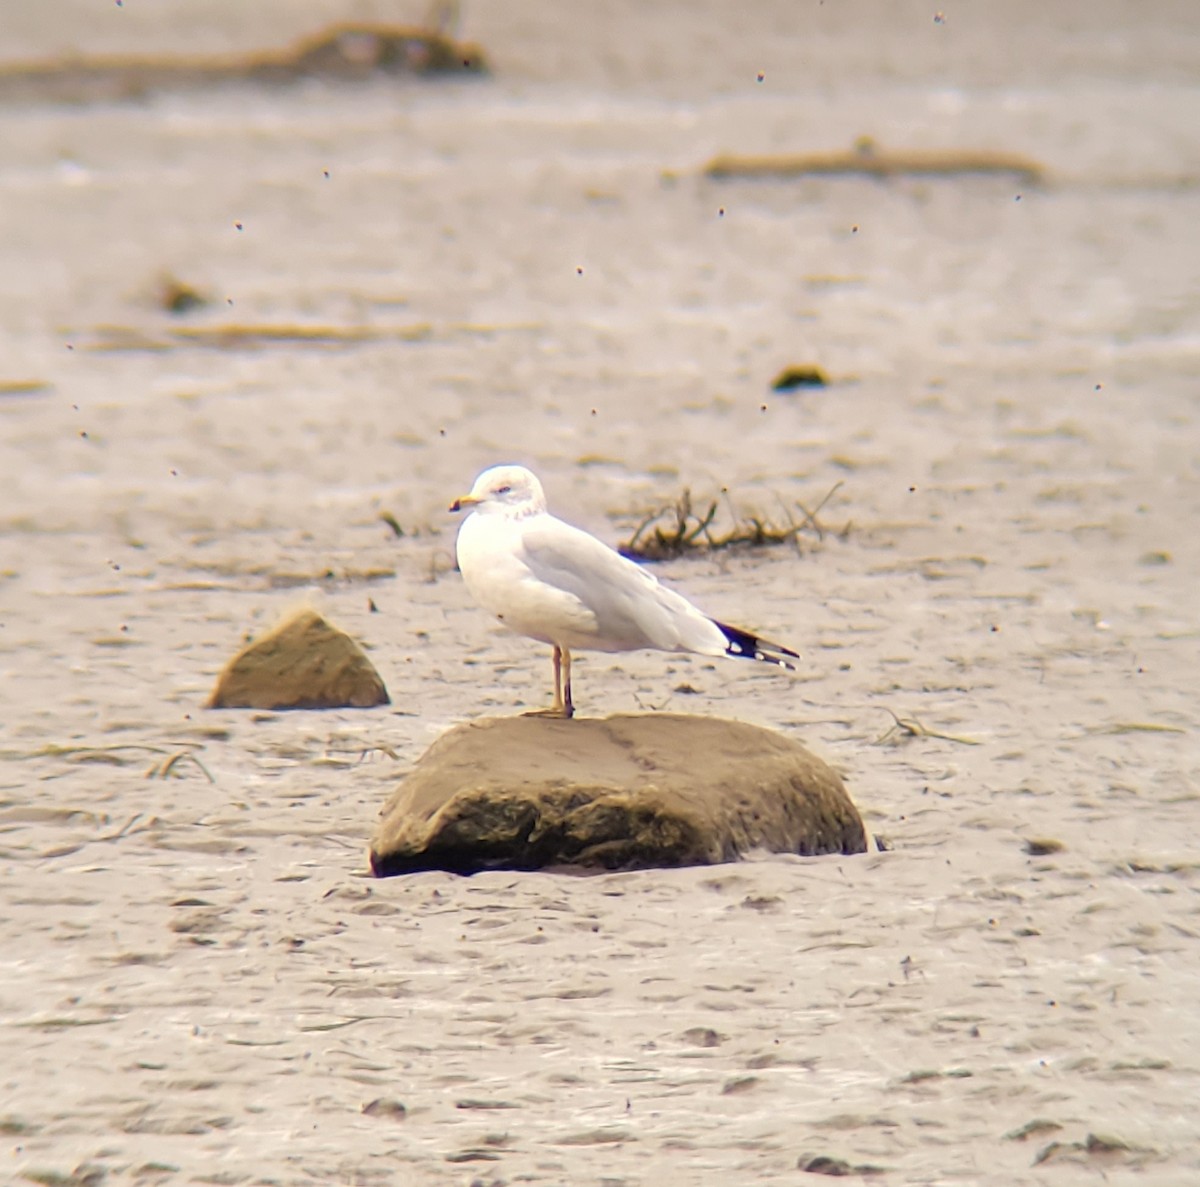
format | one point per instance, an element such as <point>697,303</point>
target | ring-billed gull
<point>555,583</point>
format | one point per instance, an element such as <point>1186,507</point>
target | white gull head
<point>510,491</point>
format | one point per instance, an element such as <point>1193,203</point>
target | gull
<point>549,581</point>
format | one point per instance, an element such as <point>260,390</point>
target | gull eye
<point>503,490</point>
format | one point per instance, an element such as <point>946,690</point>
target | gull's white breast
<point>492,560</point>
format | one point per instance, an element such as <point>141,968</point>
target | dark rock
<point>177,296</point>
<point>801,375</point>
<point>1043,846</point>
<point>631,791</point>
<point>304,663</point>
<point>822,1164</point>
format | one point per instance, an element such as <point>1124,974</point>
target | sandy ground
<point>200,983</point>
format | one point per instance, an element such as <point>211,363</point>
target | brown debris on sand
<point>866,158</point>
<point>678,529</point>
<point>339,53</point>
<point>304,663</point>
<point>24,387</point>
<point>624,792</point>
<point>243,336</point>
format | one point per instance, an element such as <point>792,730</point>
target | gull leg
<point>557,707</point>
<point>560,708</point>
<point>568,704</point>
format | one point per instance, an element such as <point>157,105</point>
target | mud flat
<point>984,546</point>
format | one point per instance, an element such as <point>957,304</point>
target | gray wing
<point>631,608</point>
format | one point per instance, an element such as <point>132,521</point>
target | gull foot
<point>562,712</point>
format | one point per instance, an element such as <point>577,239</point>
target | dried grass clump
<point>678,528</point>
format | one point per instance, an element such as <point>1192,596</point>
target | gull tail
<point>747,646</point>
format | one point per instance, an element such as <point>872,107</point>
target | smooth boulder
<point>304,663</point>
<point>623,792</point>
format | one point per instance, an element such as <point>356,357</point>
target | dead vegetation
<point>240,336</point>
<point>120,755</point>
<point>905,729</point>
<point>24,387</point>
<point>339,53</point>
<point>679,528</point>
<point>867,158</point>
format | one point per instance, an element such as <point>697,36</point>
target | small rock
<point>177,296</point>
<point>800,375</point>
<point>822,1164</point>
<point>392,1110</point>
<point>920,1075</point>
<point>1043,846</point>
<point>1094,1147</point>
<point>738,1084</point>
<point>763,902</point>
<point>304,663</point>
<point>624,792</point>
<point>1099,1143</point>
<point>475,1154</point>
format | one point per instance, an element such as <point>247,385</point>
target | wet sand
<point>201,982</point>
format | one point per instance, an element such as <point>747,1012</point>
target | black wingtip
<point>744,645</point>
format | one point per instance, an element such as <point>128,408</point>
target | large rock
<point>630,791</point>
<point>304,663</point>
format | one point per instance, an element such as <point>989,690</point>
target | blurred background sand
<point>200,983</point>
